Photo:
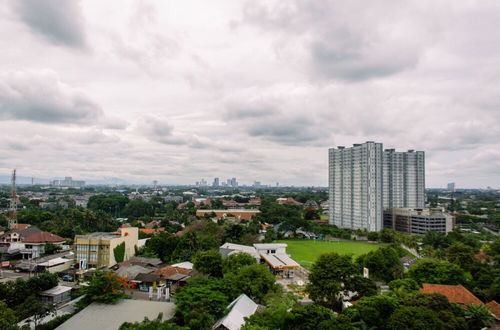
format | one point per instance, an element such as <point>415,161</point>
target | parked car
<point>67,278</point>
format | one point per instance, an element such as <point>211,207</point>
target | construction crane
<point>13,203</point>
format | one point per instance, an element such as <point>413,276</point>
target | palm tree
<point>478,316</point>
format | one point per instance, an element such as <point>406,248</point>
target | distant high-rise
<point>216,182</point>
<point>451,186</point>
<point>68,182</point>
<point>364,179</point>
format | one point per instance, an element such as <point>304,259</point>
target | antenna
<point>13,202</point>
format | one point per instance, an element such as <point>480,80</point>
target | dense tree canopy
<point>208,262</point>
<point>327,276</point>
<point>383,264</point>
<point>437,272</point>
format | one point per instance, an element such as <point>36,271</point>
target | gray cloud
<point>293,131</point>
<point>234,112</point>
<point>58,21</point>
<point>265,119</point>
<point>42,97</point>
<point>350,41</point>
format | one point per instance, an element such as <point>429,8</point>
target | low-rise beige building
<point>97,249</point>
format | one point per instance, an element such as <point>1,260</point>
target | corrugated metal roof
<point>279,260</point>
<point>241,307</point>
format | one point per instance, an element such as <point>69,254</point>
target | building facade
<point>355,186</point>
<point>418,221</point>
<point>97,249</point>
<point>365,179</point>
<point>404,179</point>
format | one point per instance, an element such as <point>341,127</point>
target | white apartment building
<point>364,180</point>
<point>404,179</point>
<point>355,186</point>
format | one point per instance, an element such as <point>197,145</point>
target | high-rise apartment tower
<point>365,179</point>
<point>404,179</point>
<point>355,186</point>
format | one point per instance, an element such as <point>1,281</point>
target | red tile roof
<point>44,237</point>
<point>151,230</point>
<point>454,293</point>
<point>21,226</point>
<point>168,271</point>
<point>494,307</point>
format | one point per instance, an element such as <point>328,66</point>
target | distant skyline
<point>257,90</point>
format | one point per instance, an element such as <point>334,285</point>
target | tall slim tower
<point>355,186</point>
<point>404,179</point>
<point>12,221</point>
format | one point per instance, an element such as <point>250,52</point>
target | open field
<point>305,252</point>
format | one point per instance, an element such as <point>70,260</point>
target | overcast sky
<point>176,91</point>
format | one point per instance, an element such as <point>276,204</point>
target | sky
<point>177,91</point>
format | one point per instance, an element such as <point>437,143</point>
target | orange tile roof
<point>44,237</point>
<point>494,307</point>
<point>151,230</point>
<point>171,270</point>
<point>454,293</point>
<point>21,226</point>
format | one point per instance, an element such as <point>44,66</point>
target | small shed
<point>148,280</point>
<point>56,295</point>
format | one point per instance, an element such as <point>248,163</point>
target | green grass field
<point>305,252</point>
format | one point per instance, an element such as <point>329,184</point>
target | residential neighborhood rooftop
<point>454,293</point>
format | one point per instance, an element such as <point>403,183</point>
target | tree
<point>372,312</point>
<point>234,262</point>
<point>138,208</point>
<point>418,318</point>
<point>432,301</point>
<point>327,276</point>
<point>51,248</point>
<point>270,235</point>
<point>478,316</point>
<point>436,239</point>
<point>461,255</point>
<point>383,263</point>
<point>105,287</point>
<point>408,284</point>
<point>162,244</point>
<point>37,310</point>
<point>388,235</point>
<point>187,247</point>
<point>8,317</point>
<point>372,236</point>
<point>208,262</point>
<point>436,272</point>
<point>254,280</point>
<point>364,287</point>
<point>307,317</point>
<point>198,306</point>
<point>119,252</point>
